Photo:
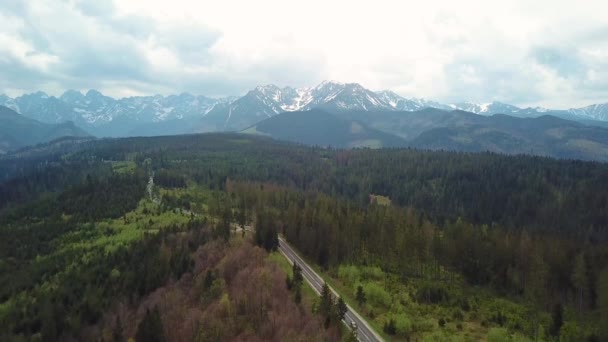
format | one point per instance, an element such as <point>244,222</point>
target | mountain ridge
<point>435,129</point>
<point>187,113</point>
<point>17,131</point>
<point>321,128</point>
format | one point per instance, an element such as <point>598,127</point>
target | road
<point>364,332</point>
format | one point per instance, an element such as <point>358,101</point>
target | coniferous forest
<point>148,238</point>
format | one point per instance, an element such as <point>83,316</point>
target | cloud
<point>564,61</point>
<point>516,51</point>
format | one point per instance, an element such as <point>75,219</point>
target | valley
<point>319,171</point>
<point>421,250</point>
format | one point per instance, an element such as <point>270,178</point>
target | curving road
<point>364,332</point>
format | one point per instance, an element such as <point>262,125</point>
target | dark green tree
<point>390,327</point>
<point>341,309</point>
<point>360,296</point>
<point>298,295</point>
<point>557,320</point>
<point>117,333</point>
<point>327,301</point>
<point>150,329</point>
<point>297,273</point>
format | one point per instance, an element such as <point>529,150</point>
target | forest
<point>428,245</point>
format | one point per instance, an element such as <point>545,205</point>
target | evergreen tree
<point>557,320</point>
<point>390,327</point>
<point>602,300</point>
<point>298,295</point>
<point>117,333</point>
<point>297,273</point>
<point>327,301</point>
<point>360,296</point>
<point>150,329</point>
<point>579,279</point>
<point>341,308</point>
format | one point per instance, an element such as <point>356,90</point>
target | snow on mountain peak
<point>96,109</point>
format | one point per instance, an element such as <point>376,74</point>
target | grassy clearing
<point>367,143</point>
<point>379,199</point>
<point>457,313</point>
<point>253,130</point>
<point>465,314</point>
<point>123,167</point>
<point>114,233</point>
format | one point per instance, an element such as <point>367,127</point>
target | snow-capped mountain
<point>9,103</point>
<point>486,108</point>
<point>402,104</point>
<point>593,112</point>
<point>94,110</point>
<point>266,101</point>
<point>184,113</point>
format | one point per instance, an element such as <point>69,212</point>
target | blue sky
<point>529,53</point>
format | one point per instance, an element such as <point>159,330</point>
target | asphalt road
<point>364,332</point>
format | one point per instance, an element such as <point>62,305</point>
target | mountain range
<point>437,129</point>
<point>186,113</point>
<point>334,114</point>
<point>17,131</point>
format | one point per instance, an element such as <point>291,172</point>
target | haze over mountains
<point>17,131</point>
<point>332,114</point>
<point>186,113</point>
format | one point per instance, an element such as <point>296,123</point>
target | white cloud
<point>549,53</point>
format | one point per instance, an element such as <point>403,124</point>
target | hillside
<point>545,135</point>
<point>457,130</point>
<point>17,131</point>
<point>317,127</point>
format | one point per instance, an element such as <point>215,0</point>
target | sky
<point>549,53</point>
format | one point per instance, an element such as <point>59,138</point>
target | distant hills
<point>329,114</point>
<point>546,135</point>
<point>17,131</point>
<point>318,127</point>
<point>186,113</point>
<point>437,129</point>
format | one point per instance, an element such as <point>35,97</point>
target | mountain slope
<point>17,131</point>
<point>186,113</point>
<point>546,135</point>
<point>432,128</point>
<point>317,127</point>
<point>106,116</point>
<point>593,112</point>
<point>267,101</point>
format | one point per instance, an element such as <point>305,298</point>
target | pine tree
<point>118,331</point>
<point>390,327</point>
<point>341,309</point>
<point>297,274</point>
<point>298,295</point>
<point>558,320</point>
<point>150,329</point>
<point>360,296</point>
<point>579,279</point>
<point>602,300</point>
<point>327,301</point>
